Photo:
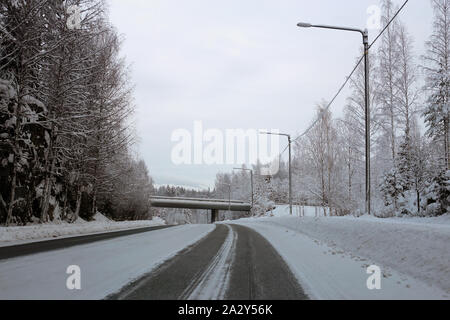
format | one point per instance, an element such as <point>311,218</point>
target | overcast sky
<point>237,64</point>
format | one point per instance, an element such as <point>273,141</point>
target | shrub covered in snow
<point>436,199</point>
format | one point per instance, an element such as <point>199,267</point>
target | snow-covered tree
<point>406,82</point>
<point>65,102</point>
<point>354,121</point>
<point>323,159</point>
<point>436,196</point>
<point>387,74</point>
<point>392,188</point>
<point>438,80</point>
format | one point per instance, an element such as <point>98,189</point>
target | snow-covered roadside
<point>106,266</point>
<point>328,273</point>
<point>411,248</point>
<point>313,212</point>
<point>19,235</point>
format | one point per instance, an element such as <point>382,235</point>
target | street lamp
<point>251,181</point>
<point>290,164</point>
<point>365,35</point>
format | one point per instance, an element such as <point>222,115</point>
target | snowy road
<point>106,266</point>
<point>231,263</point>
<point>251,259</point>
<point>192,262</point>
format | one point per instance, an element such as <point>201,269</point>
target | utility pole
<point>367,114</point>
<point>290,174</point>
<point>365,35</point>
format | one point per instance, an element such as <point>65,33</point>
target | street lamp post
<point>365,35</point>
<point>290,165</point>
<point>251,181</point>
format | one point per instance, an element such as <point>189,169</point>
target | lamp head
<point>304,25</point>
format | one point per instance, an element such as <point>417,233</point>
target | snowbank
<point>16,235</point>
<point>416,247</point>
<point>315,212</point>
<point>298,211</point>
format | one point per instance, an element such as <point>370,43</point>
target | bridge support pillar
<point>214,215</point>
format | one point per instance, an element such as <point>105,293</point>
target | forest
<point>409,98</point>
<point>66,135</point>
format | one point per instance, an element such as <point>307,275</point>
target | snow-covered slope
<point>297,211</point>
<point>408,251</point>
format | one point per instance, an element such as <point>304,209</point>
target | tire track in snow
<point>230,263</point>
<point>259,272</point>
<point>170,280</point>
<point>212,283</point>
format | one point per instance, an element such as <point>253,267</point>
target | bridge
<point>203,204</point>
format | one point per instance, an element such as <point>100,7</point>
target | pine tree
<point>437,195</point>
<point>392,189</point>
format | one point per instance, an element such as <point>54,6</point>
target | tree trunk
<point>48,189</point>
<point>4,207</point>
<point>418,201</point>
<point>349,175</point>
<point>13,196</point>
<point>393,136</point>
<point>446,145</point>
<point>18,113</point>
<point>77,210</point>
<point>64,213</point>
<point>94,202</point>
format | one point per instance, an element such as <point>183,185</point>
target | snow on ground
<point>298,211</point>
<point>213,282</point>
<point>106,266</point>
<point>330,255</point>
<point>39,232</point>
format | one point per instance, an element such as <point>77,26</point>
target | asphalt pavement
<point>233,259</point>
